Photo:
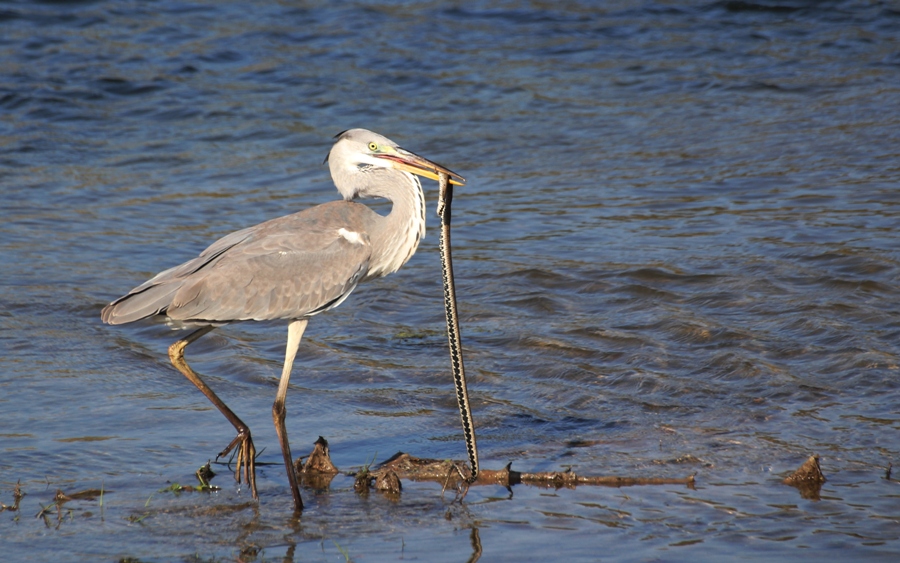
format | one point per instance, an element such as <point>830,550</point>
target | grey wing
<point>280,275</point>
<point>154,295</point>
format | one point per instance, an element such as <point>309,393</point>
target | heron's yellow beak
<point>415,164</point>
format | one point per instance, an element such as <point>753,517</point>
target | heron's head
<point>359,155</point>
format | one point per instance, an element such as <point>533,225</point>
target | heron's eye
<point>373,146</point>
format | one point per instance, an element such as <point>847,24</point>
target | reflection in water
<point>476,545</point>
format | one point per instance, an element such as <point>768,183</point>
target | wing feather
<point>287,268</point>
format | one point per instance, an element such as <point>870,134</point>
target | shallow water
<point>676,254</point>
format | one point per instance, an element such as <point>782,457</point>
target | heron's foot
<point>456,478</point>
<point>246,459</point>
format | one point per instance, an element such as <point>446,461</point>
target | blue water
<point>676,254</point>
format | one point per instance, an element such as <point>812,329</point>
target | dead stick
<point>405,466</point>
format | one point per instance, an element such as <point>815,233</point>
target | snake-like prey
<point>456,358</point>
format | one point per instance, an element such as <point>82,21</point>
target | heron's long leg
<point>295,333</point>
<point>246,457</point>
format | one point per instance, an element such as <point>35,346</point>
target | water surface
<point>676,254</point>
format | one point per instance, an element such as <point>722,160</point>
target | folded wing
<point>287,268</point>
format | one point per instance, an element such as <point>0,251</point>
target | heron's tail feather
<point>140,304</point>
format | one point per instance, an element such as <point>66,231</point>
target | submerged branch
<point>448,473</point>
<point>17,498</point>
<point>807,479</point>
<point>318,471</point>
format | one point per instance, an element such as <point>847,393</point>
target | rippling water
<point>677,253</point>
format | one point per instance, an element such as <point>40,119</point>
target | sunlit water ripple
<point>676,254</point>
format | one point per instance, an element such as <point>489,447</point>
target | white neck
<point>397,239</point>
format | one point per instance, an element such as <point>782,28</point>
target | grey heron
<point>292,268</point>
